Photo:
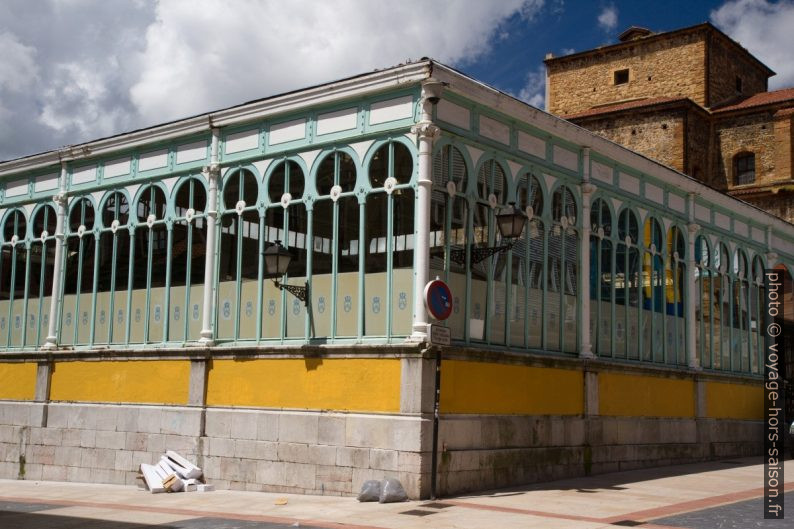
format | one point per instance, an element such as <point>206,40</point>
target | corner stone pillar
<point>586,346</point>
<point>426,133</point>
<point>212,174</point>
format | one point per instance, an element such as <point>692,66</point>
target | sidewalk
<point>650,498</point>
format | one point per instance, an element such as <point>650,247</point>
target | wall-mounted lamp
<point>510,223</point>
<point>277,259</point>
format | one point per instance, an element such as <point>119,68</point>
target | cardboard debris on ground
<point>173,473</point>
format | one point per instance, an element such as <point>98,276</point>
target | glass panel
<point>376,251</point>
<point>323,227</point>
<point>347,289</point>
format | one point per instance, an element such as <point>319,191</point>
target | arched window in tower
<point>743,168</point>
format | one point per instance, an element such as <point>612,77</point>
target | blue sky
<point>563,27</point>
<point>76,70</point>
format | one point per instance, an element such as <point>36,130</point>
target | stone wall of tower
<point>726,64</point>
<point>659,135</point>
<point>698,141</point>
<point>672,67</point>
<point>747,133</point>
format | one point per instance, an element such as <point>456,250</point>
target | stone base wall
<point>485,452</point>
<point>260,450</point>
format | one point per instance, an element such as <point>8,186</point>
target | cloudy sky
<point>76,70</point>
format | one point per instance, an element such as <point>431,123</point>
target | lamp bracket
<point>477,254</point>
<point>300,292</point>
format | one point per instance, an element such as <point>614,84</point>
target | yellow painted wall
<point>480,387</point>
<point>330,384</point>
<point>18,381</point>
<point>643,396</point>
<point>137,381</point>
<point>734,401</point>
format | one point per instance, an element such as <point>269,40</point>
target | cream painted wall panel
<point>402,301</point>
<point>565,158</point>
<point>629,183</point>
<point>227,303</point>
<point>391,110</point>
<point>758,234</point>
<point>138,314</point>
<point>156,314</point>
<point>120,315</point>
<point>153,160</point>
<point>531,144</point>
<point>17,188</point>
<point>337,121</point>
<point>740,228</point>
<point>722,221</point>
<point>191,152</point>
<point>604,173</point>
<point>375,304</point>
<point>242,141</point>
<point>702,213</point>
<point>272,308</point>
<point>84,175</point>
<point>453,114</point>
<point>47,182</point>
<point>84,313</point>
<point>347,304</point>
<point>782,246</point>
<point>66,328</point>
<point>495,130</point>
<point>247,314</point>
<point>3,323</point>
<point>287,131</point>
<point>295,312</point>
<point>102,325</point>
<point>676,202</point>
<point>118,167</point>
<point>654,193</point>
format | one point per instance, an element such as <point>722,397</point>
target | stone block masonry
<point>261,450</point>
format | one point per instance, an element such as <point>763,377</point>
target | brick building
<point>693,99</point>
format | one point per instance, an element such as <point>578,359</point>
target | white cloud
<point>608,18</point>
<point>102,68</point>
<point>202,55</point>
<point>765,29</point>
<point>18,68</point>
<point>534,90</point>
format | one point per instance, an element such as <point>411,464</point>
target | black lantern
<point>510,222</point>
<point>277,259</point>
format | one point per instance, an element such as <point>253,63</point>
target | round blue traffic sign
<point>438,299</point>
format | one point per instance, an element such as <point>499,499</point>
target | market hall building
<point>142,308</point>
